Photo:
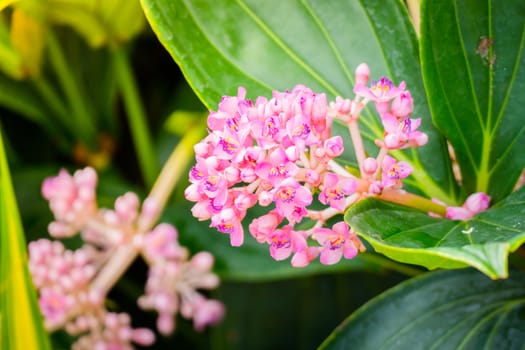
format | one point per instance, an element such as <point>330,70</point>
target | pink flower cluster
<point>66,299</point>
<point>394,105</point>
<point>69,282</point>
<point>280,152</point>
<point>173,282</point>
<point>271,152</point>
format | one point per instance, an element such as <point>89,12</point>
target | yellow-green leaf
<point>5,3</point>
<point>21,324</point>
<point>28,36</point>
<point>10,60</point>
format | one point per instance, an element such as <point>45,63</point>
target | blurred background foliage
<point>87,83</point>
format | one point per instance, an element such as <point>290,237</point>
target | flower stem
<point>412,200</point>
<point>136,116</point>
<point>169,175</point>
<point>175,166</point>
<point>357,141</point>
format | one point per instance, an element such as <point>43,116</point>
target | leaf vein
<point>273,36</point>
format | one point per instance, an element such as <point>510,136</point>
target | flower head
<point>382,90</point>
<point>335,190</point>
<point>393,171</point>
<point>336,243</point>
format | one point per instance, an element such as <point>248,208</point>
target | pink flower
<point>475,203</point>
<point>393,171</point>
<point>336,243</point>
<point>402,105</point>
<point>381,91</point>
<point>362,74</point>
<point>334,146</point>
<point>207,312</point>
<point>280,242</point>
<point>335,190</point>
<point>277,168</point>
<point>305,256</point>
<point>228,221</point>
<point>284,241</point>
<point>342,108</point>
<point>72,200</point>
<point>300,131</point>
<point>289,196</point>
<point>401,133</point>
<point>261,227</point>
<point>54,306</point>
<point>162,243</point>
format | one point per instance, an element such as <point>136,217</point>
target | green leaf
<point>265,45</point>
<point>474,71</point>
<point>441,310</point>
<point>411,236</point>
<point>21,324</point>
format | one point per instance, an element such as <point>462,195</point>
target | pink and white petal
<point>458,213</point>
<point>237,236</point>
<point>477,202</point>
<point>280,253</point>
<point>331,256</point>
<point>349,250</point>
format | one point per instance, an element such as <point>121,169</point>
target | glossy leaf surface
<point>442,310</point>
<point>21,324</point>
<point>474,70</point>
<point>414,237</point>
<point>265,45</point>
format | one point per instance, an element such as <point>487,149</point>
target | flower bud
<point>362,74</point>
<point>370,166</point>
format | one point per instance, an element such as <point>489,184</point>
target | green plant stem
<point>83,122</point>
<point>357,142</point>
<point>175,167</point>
<point>412,200</point>
<point>168,178</point>
<point>136,116</point>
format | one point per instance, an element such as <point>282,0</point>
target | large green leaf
<point>442,310</point>
<point>474,70</point>
<point>265,45</point>
<point>411,236</point>
<point>21,324</point>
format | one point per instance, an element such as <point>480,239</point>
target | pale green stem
<point>136,116</point>
<point>357,142</point>
<point>413,201</point>
<point>173,169</point>
<point>380,156</point>
<point>170,174</point>
<point>84,127</point>
<point>339,170</point>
